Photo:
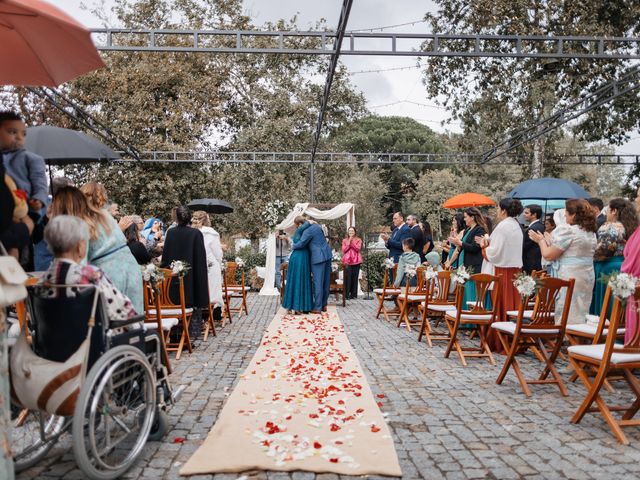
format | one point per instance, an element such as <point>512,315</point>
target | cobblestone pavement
<point>448,421</point>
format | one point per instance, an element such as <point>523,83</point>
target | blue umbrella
<point>548,191</point>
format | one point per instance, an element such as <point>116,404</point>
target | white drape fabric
<point>338,211</point>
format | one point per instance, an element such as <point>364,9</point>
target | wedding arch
<point>312,211</point>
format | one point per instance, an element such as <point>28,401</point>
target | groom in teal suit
<point>313,237</point>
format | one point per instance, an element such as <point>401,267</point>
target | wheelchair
<point>122,399</point>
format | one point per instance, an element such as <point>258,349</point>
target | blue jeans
<point>280,261</point>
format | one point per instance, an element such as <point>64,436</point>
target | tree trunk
<point>537,166</point>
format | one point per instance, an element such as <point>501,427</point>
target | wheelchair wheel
<point>160,426</point>
<point>32,436</point>
<point>114,413</point>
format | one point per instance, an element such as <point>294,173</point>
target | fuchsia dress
<point>631,265</point>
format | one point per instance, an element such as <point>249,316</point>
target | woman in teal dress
<point>612,237</point>
<point>107,246</point>
<point>298,295</point>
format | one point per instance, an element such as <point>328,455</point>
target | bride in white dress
<point>213,247</point>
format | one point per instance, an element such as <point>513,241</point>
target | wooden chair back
<point>545,303</point>
<point>441,285</point>
<point>387,283</point>
<point>229,277</point>
<point>603,321</point>
<point>487,286</point>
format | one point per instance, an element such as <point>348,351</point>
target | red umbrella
<point>468,200</point>
<point>40,45</point>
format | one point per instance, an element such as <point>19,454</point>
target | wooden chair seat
<point>442,308</point>
<point>387,293</point>
<point>234,290</point>
<point>510,327</point>
<point>167,324</point>
<point>170,311</point>
<point>514,314</point>
<point>597,352</point>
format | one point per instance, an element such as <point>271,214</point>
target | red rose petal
<point>334,427</point>
<point>374,429</point>
<point>380,395</point>
<point>178,440</point>
<point>380,404</point>
<point>317,445</point>
<point>333,460</point>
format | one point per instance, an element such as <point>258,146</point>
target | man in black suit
<point>417,235</point>
<point>531,256</point>
<point>598,205</point>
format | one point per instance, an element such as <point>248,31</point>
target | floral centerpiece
<point>388,263</point>
<point>525,284</point>
<point>410,270</point>
<point>273,212</point>
<point>152,274</point>
<point>180,268</point>
<point>430,273</point>
<point>239,262</point>
<point>461,275</point>
<point>336,262</point>
<point>623,285</point>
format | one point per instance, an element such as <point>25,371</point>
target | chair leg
<point>512,362</point>
<point>380,305</point>
<point>551,368</point>
<point>484,345</point>
<point>635,386</point>
<point>163,348</point>
<point>453,342</point>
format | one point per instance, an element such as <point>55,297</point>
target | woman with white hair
<point>213,247</point>
<point>67,237</point>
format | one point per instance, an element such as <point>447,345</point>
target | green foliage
<point>251,260</point>
<point>373,270</point>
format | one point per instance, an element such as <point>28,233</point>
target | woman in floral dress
<point>570,249</point>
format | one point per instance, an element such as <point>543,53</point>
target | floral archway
<point>340,210</point>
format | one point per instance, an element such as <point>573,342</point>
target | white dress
<point>214,264</point>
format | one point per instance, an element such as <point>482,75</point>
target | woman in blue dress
<point>298,295</point>
<point>107,245</point>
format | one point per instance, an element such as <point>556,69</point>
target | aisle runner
<point>303,404</point>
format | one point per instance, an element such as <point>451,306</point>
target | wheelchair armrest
<point>124,323</point>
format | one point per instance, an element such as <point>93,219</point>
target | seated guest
<point>107,246</point>
<point>187,244</point>
<point>132,235</point>
<point>531,256</point>
<point>408,257</point>
<point>68,239</point>
<point>432,259</point>
<point>622,221</point>
<point>570,248</point>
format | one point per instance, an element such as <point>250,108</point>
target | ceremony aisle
<point>302,404</point>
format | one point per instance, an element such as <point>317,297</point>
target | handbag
<point>12,279</point>
<point>45,385</point>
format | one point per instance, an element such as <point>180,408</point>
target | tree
<point>498,96</point>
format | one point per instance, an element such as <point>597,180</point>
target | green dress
<point>298,294</point>
<point>608,260</point>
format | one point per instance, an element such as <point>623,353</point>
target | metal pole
<point>312,180</point>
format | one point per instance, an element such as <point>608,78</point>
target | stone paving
<point>448,421</point>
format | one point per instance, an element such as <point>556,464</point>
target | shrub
<point>372,269</point>
<point>251,260</point>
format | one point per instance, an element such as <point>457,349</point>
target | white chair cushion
<point>588,329</point>
<point>514,313</point>
<point>470,316</point>
<point>389,291</point>
<point>339,281</point>
<point>441,308</point>
<point>597,351</point>
<point>170,311</point>
<point>412,298</point>
<point>510,327</point>
<point>167,324</point>
<point>238,288</point>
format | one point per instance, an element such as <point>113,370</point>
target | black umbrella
<point>210,205</point>
<point>62,146</point>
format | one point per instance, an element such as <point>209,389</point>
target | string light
<point>386,27</point>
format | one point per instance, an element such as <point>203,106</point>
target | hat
<point>433,258</point>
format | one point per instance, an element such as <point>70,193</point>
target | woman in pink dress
<point>631,265</point>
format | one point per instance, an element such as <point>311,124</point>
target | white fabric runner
<point>287,224</point>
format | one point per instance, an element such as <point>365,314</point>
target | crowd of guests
<point>586,241</point>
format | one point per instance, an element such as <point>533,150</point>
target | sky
<point>393,92</point>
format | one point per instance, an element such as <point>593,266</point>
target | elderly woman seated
<point>67,237</point>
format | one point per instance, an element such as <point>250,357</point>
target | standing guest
<point>187,244</point>
<point>622,221</point>
<point>571,248</point>
<point>470,253</point>
<point>598,205</point>
<point>450,252</point>
<point>408,258</point>
<point>114,210</point>
<point>428,237</point>
<point>132,235</point>
<point>283,250</point>
<point>25,168</point>
<point>504,250</point>
<point>352,259</point>
<point>298,293</point>
<point>107,245</point>
<point>417,235</point>
<point>321,255</point>
<point>631,265</point>
<point>531,256</point>
<point>549,224</point>
<point>399,233</point>
<point>202,221</point>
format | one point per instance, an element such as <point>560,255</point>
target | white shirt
<point>505,244</point>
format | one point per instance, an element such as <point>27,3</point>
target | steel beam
<point>365,43</point>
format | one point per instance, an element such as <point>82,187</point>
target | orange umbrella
<point>40,45</point>
<point>468,200</point>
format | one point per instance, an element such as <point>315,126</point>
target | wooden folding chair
<point>586,333</point>
<point>337,288</point>
<point>209,326</point>
<point>409,300</point>
<point>153,319</point>
<point>541,330</point>
<point>387,293</point>
<point>234,290</point>
<point>171,314</point>
<point>478,316</point>
<point>436,304</point>
<point>283,279</point>
<point>609,359</point>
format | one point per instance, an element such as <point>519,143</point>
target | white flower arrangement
<point>388,263</point>
<point>239,262</point>
<point>460,275</point>
<point>335,266</point>
<point>623,285</point>
<point>152,274</point>
<point>273,212</point>
<point>180,268</point>
<point>410,270</point>
<point>430,273</point>
<point>525,284</point>
<point>337,257</point>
